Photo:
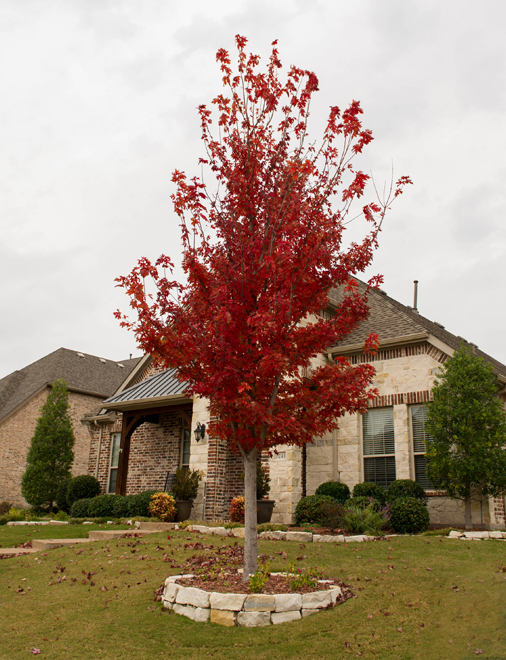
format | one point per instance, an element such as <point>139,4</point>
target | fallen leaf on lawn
<point>369,616</point>
<point>399,629</point>
<point>35,651</point>
<point>429,569</point>
<point>478,652</point>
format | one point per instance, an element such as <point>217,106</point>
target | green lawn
<point>12,535</point>
<point>402,609</point>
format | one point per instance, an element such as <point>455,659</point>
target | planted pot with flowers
<point>184,490</point>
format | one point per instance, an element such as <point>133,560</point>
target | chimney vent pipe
<point>415,300</point>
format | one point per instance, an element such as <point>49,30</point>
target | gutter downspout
<point>99,447</point>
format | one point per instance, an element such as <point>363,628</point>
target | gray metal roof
<point>159,385</point>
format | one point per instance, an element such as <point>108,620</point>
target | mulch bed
<point>221,571</point>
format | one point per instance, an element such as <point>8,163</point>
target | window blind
<point>379,432</point>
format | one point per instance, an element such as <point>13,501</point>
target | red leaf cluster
<point>261,255</point>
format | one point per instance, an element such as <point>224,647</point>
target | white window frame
<point>365,456</point>
<point>414,452</point>
<point>110,460</point>
<point>183,429</point>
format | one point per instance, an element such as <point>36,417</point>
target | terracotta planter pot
<point>184,509</point>
<point>264,511</point>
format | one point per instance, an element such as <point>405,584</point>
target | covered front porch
<point>153,435</point>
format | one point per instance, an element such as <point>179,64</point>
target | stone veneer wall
<point>16,434</point>
<point>403,377</point>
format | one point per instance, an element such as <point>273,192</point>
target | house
<point>146,431</point>
<point>90,379</point>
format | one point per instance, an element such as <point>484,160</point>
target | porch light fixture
<point>200,432</point>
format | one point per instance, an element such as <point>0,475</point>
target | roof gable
<point>82,372</point>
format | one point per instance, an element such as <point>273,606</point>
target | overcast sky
<point>97,108</point>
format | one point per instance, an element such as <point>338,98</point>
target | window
<point>113,472</point>
<point>420,435</point>
<point>379,446</point>
<point>185,449</point>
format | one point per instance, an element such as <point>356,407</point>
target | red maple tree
<point>261,254</point>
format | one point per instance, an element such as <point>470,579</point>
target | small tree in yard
<point>51,452</point>
<point>261,255</point>
<point>466,420</point>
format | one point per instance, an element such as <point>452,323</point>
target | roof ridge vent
<point>439,325</point>
<point>102,360</point>
<point>121,366</point>
<point>81,355</point>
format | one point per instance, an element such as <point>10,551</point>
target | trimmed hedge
<point>139,504</point>
<point>335,489</point>
<point>405,488</point>
<point>369,489</point>
<point>80,508</point>
<point>82,487</point>
<point>409,516</point>
<point>121,506</point>
<point>309,509</point>
<point>102,506</point>
<point>61,496</point>
<point>363,502</point>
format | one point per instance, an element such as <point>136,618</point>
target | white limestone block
<point>277,536</point>
<point>355,539</point>
<point>476,535</point>
<point>168,605</point>
<point>335,593</point>
<point>308,613</point>
<point>288,602</point>
<point>300,537</point>
<point>496,534</point>
<point>171,590</point>
<point>316,600</point>
<point>238,532</point>
<point>455,535</point>
<point>259,603</point>
<point>192,596</point>
<point>198,614</point>
<point>200,528</point>
<point>325,538</point>
<point>284,617</point>
<point>254,619</point>
<point>218,531</point>
<point>232,602</point>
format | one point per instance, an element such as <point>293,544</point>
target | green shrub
<point>368,489</point>
<point>405,488</point>
<point>409,516</point>
<point>62,515</point>
<point>309,509</point>
<point>331,514</point>
<point>186,485</point>
<point>5,507</point>
<point>271,527</point>
<point>82,487</point>
<point>10,517</point>
<point>263,481</point>
<point>363,502</point>
<point>335,489</point>
<point>102,506</point>
<point>121,506</point>
<point>80,508</point>
<point>61,495</point>
<point>359,520</point>
<point>139,504</point>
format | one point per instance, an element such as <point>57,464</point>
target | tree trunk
<point>469,515</point>
<point>250,514</point>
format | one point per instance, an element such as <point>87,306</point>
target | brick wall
<point>155,449</point>
<point>16,434</point>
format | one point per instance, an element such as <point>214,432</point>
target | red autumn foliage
<point>261,255</point>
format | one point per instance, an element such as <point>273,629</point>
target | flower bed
<point>242,608</point>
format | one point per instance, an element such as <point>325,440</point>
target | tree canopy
<point>261,253</point>
<point>51,452</point>
<point>467,425</point>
